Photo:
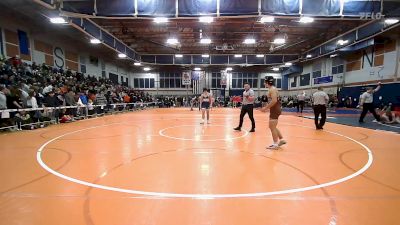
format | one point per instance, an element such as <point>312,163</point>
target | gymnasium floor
<point>161,166</point>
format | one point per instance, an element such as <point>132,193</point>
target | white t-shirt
<point>320,98</point>
<point>32,103</point>
<point>248,93</point>
<point>368,97</point>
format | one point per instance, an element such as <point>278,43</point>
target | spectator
<point>3,97</point>
<point>51,100</point>
<point>31,100</point>
<point>70,98</point>
<point>83,98</point>
<point>13,100</point>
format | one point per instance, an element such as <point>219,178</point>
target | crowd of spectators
<point>33,86</point>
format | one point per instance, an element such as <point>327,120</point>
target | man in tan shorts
<point>274,107</point>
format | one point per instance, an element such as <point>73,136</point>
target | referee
<point>320,100</point>
<point>247,107</point>
<point>367,103</point>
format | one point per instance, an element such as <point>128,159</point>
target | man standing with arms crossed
<point>247,107</point>
<point>320,100</point>
<point>367,103</point>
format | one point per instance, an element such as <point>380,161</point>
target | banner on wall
<point>323,80</point>
<point>59,57</point>
<point>198,75</point>
<point>23,42</point>
<point>224,78</point>
<point>186,79</point>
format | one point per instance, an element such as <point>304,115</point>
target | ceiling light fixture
<point>238,56</point>
<point>391,21</point>
<point>160,20</point>
<point>58,20</point>
<point>288,64</point>
<point>121,55</point>
<point>342,42</point>
<point>249,41</point>
<point>259,56</point>
<point>146,69</point>
<point>275,69</point>
<point>197,69</point>
<point>267,19</point>
<point>206,19</point>
<point>137,64</point>
<point>172,41</point>
<point>178,55</point>
<point>205,41</point>
<point>205,55</point>
<point>308,56</point>
<point>229,69</point>
<point>306,19</point>
<point>95,41</point>
<point>333,56</point>
<point>279,41</point>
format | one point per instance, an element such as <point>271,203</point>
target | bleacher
<point>33,96</point>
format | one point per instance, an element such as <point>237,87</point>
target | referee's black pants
<point>247,109</point>
<point>319,110</point>
<point>368,107</point>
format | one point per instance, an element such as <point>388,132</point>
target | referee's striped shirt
<point>320,98</point>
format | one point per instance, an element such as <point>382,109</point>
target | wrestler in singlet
<point>275,111</point>
<point>206,99</point>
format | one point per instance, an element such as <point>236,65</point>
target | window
<point>305,79</point>
<point>337,69</point>
<point>278,83</point>
<point>171,80</point>
<point>316,74</point>
<point>337,66</point>
<point>151,83</point>
<point>136,83</point>
<point>294,82</point>
<point>83,68</point>
<point>238,79</point>
<point>143,83</point>
<point>317,68</point>
<point>216,80</point>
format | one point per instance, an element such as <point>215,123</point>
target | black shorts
<point>205,105</point>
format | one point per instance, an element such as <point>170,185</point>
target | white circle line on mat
<point>202,196</point>
<point>162,133</point>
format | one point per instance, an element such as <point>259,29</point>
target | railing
<point>51,114</point>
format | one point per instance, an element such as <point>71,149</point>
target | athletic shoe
<point>282,142</point>
<point>238,128</point>
<point>202,122</point>
<point>273,147</point>
<point>252,130</point>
